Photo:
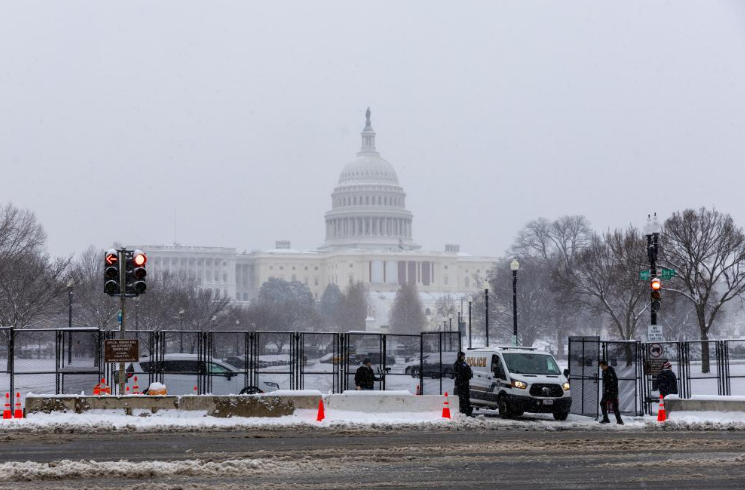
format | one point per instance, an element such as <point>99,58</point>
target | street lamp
<point>181,313</point>
<point>486,309</point>
<point>70,284</point>
<point>514,266</point>
<point>470,301</point>
<point>450,331</point>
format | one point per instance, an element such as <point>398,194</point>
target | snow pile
<point>704,421</point>
<point>67,469</point>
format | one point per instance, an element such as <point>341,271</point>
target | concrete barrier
<point>275,404</point>
<point>389,401</point>
<point>673,403</point>
<point>80,404</point>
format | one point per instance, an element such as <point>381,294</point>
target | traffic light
<point>111,272</point>
<point>656,294</point>
<point>136,272</point>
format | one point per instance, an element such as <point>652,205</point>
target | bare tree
<point>93,308</point>
<point>707,250</point>
<point>20,234</point>
<point>604,279</point>
<point>30,284</point>
<point>536,302</point>
<point>556,244</point>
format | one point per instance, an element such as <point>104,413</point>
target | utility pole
<point>123,302</point>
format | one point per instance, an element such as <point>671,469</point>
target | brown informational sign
<point>122,350</point>
<point>653,367</point>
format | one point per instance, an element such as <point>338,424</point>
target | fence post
<point>11,357</point>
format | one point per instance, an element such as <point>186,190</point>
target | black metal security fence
<point>714,367</point>
<point>69,361</point>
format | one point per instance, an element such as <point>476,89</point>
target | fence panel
<point>734,351</point>
<point>703,375</point>
<point>320,359</point>
<point>35,355</point>
<point>274,360</point>
<point>626,359</point>
<point>360,346</point>
<point>227,368</point>
<point>584,356</point>
<point>403,355</point>
<point>180,362</point>
<point>6,361</point>
<point>439,353</point>
<point>80,366</point>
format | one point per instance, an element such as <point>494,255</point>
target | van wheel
<point>561,416</point>
<point>504,408</point>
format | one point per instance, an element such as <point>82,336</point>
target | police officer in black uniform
<point>463,375</point>
<point>610,393</point>
<point>364,378</point>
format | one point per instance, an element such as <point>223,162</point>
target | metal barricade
<point>584,375</point>
<point>6,361</point>
<point>403,353</point>
<point>273,362</point>
<point>320,360</point>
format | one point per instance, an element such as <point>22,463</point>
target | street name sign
<point>665,274</point>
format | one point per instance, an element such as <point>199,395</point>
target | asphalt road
<point>360,459</point>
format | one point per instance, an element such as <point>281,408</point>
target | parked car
<point>181,370</point>
<point>433,367</point>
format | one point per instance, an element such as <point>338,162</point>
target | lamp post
<point>470,301</point>
<point>450,331</point>
<point>514,266</point>
<point>181,329</point>
<point>486,309</point>
<point>70,284</point>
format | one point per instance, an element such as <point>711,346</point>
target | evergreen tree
<point>407,314</point>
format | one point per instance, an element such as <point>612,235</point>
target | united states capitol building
<point>369,239</point>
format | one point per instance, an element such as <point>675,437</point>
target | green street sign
<point>668,273</point>
<point>664,274</point>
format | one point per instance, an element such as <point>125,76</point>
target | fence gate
<point>584,355</point>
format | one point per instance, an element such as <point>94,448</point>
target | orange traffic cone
<point>19,410</point>
<point>196,391</point>
<point>105,389</point>
<point>7,413</point>
<point>446,408</point>
<point>97,389</point>
<point>321,412</point>
<point>661,415</point>
<point>136,387</point>
<point>418,390</point>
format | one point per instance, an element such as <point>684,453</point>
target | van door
<point>499,376</point>
<point>479,382</point>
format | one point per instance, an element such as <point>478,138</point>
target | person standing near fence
<point>463,375</point>
<point>667,382</point>
<point>610,393</point>
<point>364,378</point>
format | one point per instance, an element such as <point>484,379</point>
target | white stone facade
<point>369,239</point>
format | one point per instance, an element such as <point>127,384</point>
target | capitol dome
<point>368,206</point>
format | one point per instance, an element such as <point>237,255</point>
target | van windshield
<point>523,363</point>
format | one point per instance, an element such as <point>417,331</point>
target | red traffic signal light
<point>139,258</point>
<point>656,284</point>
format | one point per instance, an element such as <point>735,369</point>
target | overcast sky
<point>240,115</point>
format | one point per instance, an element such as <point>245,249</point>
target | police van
<point>517,380</point>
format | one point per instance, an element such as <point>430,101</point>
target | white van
<point>517,380</point>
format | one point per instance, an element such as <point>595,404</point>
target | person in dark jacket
<point>667,382</point>
<point>463,375</point>
<point>365,377</point>
<point>610,393</point>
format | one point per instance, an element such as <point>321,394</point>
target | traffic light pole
<point>123,300</point>
<point>652,248</point>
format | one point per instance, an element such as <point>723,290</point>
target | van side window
<point>497,368</point>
